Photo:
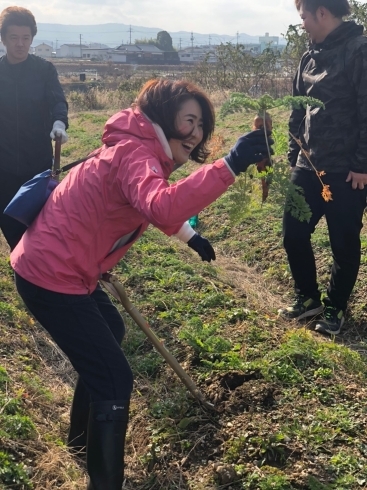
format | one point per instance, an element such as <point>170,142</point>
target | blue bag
<point>31,197</point>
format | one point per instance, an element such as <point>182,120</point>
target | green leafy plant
<point>242,191</point>
<point>16,426</point>
<point>359,12</point>
<point>268,478</point>
<point>4,378</point>
<point>239,102</point>
<point>13,473</point>
<point>314,484</point>
<point>203,337</point>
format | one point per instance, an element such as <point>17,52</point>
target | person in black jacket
<point>33,110</point>
<point>333,70</point>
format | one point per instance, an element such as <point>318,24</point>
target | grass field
<point>290,403</point>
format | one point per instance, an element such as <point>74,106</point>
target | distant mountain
<point>113,35</point>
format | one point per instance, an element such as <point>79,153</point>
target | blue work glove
<point>202,246</point>
<point>249,148</point>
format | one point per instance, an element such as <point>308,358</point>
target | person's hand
<point>249,148</point>
<point>58,129</point>
<point>359,181</point>
<point>202,246</point>
<point>264,165</point>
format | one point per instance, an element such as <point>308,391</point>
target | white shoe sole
<point>322,328</point>
<point>306,314</point>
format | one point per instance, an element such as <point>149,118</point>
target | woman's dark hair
<point>17,16</point>
<point>339,8</point>
<point>162,99</point>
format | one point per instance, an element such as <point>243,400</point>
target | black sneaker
<point>303,307</point>
<point>332,321</point>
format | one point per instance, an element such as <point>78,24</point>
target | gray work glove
<point>58,129</point>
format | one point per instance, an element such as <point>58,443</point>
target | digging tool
<point>57,157</point>
<point>116,289</point>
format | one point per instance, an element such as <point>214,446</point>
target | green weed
<point>4,378</point>
<point>35,386</point>
<point>314,484</point>
<point>16,426</point>
<point>203,337</point>
<point>147,364</point>
<point>301,355</point>
<point>349,470</point>
<point>7,311</point>
<point>268,449</point>
<point>9,406</point>
<point>338,417</point>
<point>12,473</point>
<point>173,407</point>
<point>269,478</point>
<point>14,314</point>
<point>310,433</point>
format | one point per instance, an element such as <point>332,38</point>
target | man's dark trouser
<point>89,329</point>
<point>12,229</point>
<point>344,220</point>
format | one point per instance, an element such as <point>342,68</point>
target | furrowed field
<point>291,403</point>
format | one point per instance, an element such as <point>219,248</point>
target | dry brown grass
<point>56,469</point>
<point>218,97</point>
<point>4,248</point>
<point>99,99</point>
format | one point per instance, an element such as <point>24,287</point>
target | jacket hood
<point>133,123</point>
<point>129,122</point>
<point>346,31</point>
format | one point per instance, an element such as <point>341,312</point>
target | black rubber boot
<point>79,415</point>
<point>106,441</point>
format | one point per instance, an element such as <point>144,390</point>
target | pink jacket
<point>114,195</point>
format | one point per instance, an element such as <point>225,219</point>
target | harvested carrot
<point>258,123</point>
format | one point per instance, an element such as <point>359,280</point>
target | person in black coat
<point>33,112</point>
<point>333,70</point>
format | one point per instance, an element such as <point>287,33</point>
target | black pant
<point>344,220</point>
<point>89,329</point>
<point>12,229</point>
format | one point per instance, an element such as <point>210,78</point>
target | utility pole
<point>56,45</point>
<point>210,38</point>
<point>237,37</point>
<point>180,42</point>
<point>130,33</point>
<point>80,44</point>
<point>192,44</point>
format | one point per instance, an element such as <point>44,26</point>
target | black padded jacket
<point>335,72</point>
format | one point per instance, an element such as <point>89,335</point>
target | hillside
<point>113,34</point>
<point>290,403</point>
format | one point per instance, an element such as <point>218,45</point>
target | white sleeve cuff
<point>229,168</point>
<point>185,232</point>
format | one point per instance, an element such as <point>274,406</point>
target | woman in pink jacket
<point>87,225</point>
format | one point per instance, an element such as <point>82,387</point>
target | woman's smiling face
<point>189,120</point>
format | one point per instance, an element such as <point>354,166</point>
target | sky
<point>254,17</point>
